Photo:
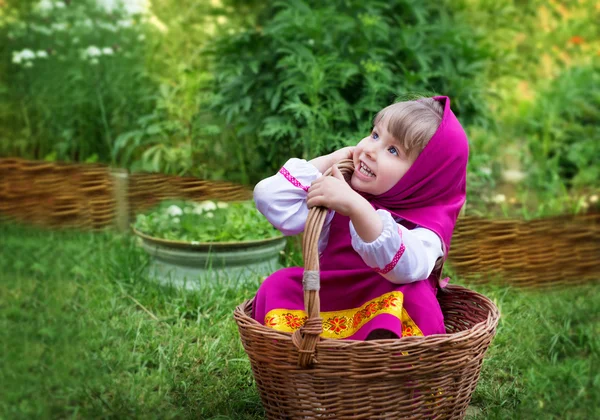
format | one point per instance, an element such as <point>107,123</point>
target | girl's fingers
<point>337,173</point>
<point>315,201</point>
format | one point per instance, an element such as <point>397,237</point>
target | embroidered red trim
<point>293,180</point>
<point>395,260</point>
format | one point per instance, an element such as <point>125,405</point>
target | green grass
<point>85,334</point>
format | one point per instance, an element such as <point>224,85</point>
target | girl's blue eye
<point>374,135</point>
<point>394,151</point>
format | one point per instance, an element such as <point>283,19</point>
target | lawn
<point>86,334</point>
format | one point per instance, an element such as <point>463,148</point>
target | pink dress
<point>355,299</point>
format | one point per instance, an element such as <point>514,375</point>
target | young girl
<point>387,233</point>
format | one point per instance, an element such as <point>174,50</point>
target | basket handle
<point>307,337</point>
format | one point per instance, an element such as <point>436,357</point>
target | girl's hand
<point>322,163</point>
<point>343,153</point>
<point>334,193</point>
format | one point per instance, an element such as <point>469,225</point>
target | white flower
<point>198,210</point>
<point>59,5</point>
<point>593,198</point>
<point>485,170</point>
<point>93,51</point>
<point>94,61</point>
<point>108,26</point>
<point>513,176</point>
<point>42,54</point>
<point>109,5</point>
<point>222,205</point>
<point>137,7</point>
<point>27,54</point>
<point>174,211</point>
<point>45,6</point>
<point>107,51</point>
<point>130,7</point>
<point>210,215</point>
<point>499,198</point>
<point>59,27</point>
<point>176,220</point>
<point>41,29</point>
<point>125,23</point>
<point>208,205</point>
<point>75,40</point>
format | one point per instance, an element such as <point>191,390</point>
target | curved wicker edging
<point>555,251</point>
<point>411,377</point>
<point>93,196</point>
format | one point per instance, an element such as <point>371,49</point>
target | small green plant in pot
<point>191,243</point>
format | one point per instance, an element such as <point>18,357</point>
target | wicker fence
<point>553,251</point>
<point>94,196</point>
<point>547,252</point>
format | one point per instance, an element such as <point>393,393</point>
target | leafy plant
<point>563,126</point>
<point>206,222</point>
<point>74,77</point>
<point>544,104</point>
<point>309,76</point>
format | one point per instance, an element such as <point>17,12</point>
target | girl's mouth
<point>365,170</point>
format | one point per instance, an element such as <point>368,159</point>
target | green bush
<point>309,76</point>
<point>72,79</point>
<point>562,130</point>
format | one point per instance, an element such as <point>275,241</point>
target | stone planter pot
<point>194,264</point>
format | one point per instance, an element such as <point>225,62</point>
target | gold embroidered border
<point>343,324</point>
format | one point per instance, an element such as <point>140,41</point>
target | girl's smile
<point>364,171</point>
<point>379,161</point>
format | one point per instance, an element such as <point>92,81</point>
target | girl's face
<point>379,162</point>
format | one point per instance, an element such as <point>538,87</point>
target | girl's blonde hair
<point>412,123</point>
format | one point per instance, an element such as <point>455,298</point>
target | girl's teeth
<point>363,170</point>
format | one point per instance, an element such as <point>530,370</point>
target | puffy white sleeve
<point>281,198</point>
<point>399,254</point>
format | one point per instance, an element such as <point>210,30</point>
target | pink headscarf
<point>433,190</point>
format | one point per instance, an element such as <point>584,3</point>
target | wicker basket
<point>301,375</point>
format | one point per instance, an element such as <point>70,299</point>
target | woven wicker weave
<point>411,377</point>
<point>54,194</point>
<point>146,190</point>
<point>83,196</point>
<point>556,251</point>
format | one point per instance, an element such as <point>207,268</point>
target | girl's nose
<point>370,151</point>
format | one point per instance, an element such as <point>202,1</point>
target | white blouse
<point>398,254</point>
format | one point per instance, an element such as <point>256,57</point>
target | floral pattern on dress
<point>343,324</point>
